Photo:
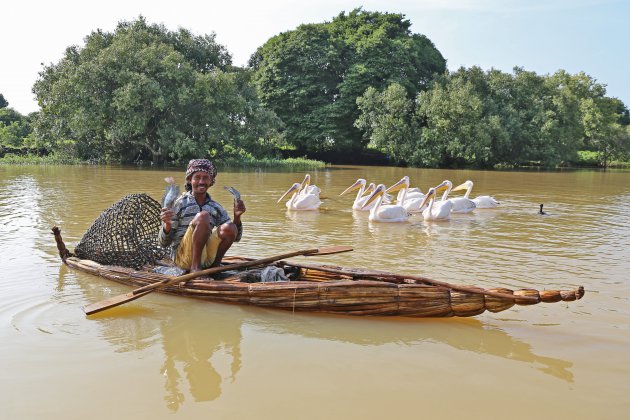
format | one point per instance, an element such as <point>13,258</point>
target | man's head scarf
<point>200,165</point>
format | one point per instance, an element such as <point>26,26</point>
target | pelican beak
<point>403,183</point>
<point>442,186</point>
<point>352,187</point>
<point>379,191</point>
<point>294,187</point>
<point>460,187</point>
<point>369,189</point>
<point>306,182</point>
<point>427,197</point>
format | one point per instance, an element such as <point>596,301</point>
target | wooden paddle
<point>138,293</point>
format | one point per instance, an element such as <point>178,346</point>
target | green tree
<point>14,128</point>
<point>387,120</point>
<point>454,130</point>
<point>622,111</point>
<point>312,76</point>
<point>602,130</point>
<point>561,132</point>
<point>521,100</point>
<point>3,102</point>
<point>143,92</point>
<point>482,118</point>
<point>586,118</point>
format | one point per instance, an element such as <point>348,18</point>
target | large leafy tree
<point>312,76</point>
<point>604,130</point>
<point>454,124</point>
<point>386,118</point>
<point>144,92</point>
<point>487,118</point>
<point>482,118</point>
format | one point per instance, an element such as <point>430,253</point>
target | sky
<point>538,35</point>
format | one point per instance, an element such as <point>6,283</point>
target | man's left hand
<point>239,208</point>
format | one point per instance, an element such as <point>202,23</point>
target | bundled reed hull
<point>338,290</point>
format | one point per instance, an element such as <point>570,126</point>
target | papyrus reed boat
<point>323,288</point>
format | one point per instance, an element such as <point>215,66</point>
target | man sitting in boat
<point>197,229</point>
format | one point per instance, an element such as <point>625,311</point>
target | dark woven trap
<point>125,234</point>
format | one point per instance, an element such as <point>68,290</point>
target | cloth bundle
<point>271,274</point>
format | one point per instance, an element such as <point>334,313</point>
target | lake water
<point>165,355</point>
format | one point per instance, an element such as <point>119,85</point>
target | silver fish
<point>234,192</point>
<point>171,193</point>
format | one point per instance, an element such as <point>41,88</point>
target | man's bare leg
<point>227,232</point>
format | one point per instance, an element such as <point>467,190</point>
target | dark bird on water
<point>541,210</point>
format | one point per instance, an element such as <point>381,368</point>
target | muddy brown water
<point>163,355</point>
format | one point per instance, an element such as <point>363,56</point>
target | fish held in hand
<point>171,193</point>
<point>234,192</point>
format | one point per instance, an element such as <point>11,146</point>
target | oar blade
<point>113,301</point>
<point>331,250</point>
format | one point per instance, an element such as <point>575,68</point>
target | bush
<point>587,158</point>
<point>58,159</point>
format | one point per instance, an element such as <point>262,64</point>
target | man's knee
<point>227,231</point>
<point>201,217</point>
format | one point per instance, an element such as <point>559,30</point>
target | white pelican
<point>362,194</point>
<point>440,210</point>
<point>483,201</point>
<point>307,188</point>
<point>300,201</point>
<point>460,204</point>
<point>388,213</point>
<point>413,192</point>
<point>409,200</point>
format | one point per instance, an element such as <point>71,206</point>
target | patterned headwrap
<point>200,165</point>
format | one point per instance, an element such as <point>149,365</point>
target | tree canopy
<point>144,92</point>
<point>484,119</point>
<point>361,81</point>
<point>14,128</point>
<point>312,76</point>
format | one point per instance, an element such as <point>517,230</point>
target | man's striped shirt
<point>186,208</point>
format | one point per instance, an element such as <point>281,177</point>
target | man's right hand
<point>166,215</point>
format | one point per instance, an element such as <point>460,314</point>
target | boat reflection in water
<point>202,341</point>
